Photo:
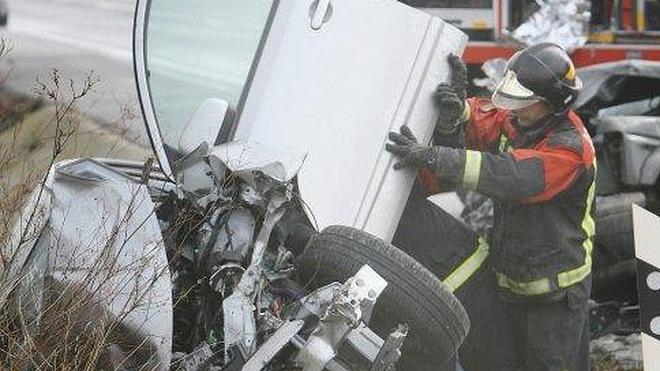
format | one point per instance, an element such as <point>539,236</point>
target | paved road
<point>76,36</point>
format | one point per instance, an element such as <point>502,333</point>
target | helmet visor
<point>510,94</point>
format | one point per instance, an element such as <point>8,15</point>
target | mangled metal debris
<point>253,326</point>
<point>224,301</point>
<point>355,297</point>
<point>99,247</point>
<point>286,332</point>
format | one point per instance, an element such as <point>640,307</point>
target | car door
<point>329,78</point>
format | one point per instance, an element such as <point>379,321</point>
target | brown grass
<point>45,323</point>
<point>609,363</point>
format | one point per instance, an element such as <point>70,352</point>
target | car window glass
<point>199,49</point>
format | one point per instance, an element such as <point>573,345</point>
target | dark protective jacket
<point>542,182</point>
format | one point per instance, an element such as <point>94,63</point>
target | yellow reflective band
<point>472,169</point>
<point>505,146</point>
<point>466,112</point>
<point>566,278</point>
<point>641,19</point>
<point>573,276</point>
<point>468,267</point>
<point>537,287</point>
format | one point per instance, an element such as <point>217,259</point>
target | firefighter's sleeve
<point>483,124</point>
<point>481,127</point>
<point>429,184</point>
<point>524,175</point>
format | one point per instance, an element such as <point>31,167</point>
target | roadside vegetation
<point>45,325</point>
<point>36,131</point>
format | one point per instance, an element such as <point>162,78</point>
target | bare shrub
<point>15,187</point>
<point>61,320</point>
<point>74,302</point>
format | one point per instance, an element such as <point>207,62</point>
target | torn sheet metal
<point>636,108</point>
<point>272,346</point>
<point>243,157</point>
<point>24,236</point>
<point>597,79</point>
<point>240,328</point>
<point>199,359</point>
<point>102,240</point>
<point>563,22</point>
<point>193,174</point>
<point>391,351</point>
<point>356,297</point>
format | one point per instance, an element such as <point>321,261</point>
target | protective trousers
<point>444,244</point>
<point>552,336</point>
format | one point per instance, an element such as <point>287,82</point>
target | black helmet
<point>539,72</point>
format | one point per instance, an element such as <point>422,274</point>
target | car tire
<point>614,225</point>
<point>614,254</point>
<point>438,322</point>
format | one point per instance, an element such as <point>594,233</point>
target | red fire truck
<point>619,29</point>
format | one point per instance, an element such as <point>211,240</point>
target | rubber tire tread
<point>614,228</point>
<point>438,322</point>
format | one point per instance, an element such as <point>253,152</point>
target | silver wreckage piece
<point>342,310</point>
<point>390,352</point>
<point>239,326</point>
<point>85,205</point>
<point>90,232</point>
<point>356,296</point>
<point>270,348</point>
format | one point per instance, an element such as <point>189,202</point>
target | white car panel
<point>336,92</point>
<point>331,78</point>
<point>112,259</point>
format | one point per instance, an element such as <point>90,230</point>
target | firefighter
<point>527,151</point>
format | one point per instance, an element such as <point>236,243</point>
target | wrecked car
<point>621,104</point>
<point>260,240</point>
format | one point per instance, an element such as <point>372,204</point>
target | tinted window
<point>199,49</point>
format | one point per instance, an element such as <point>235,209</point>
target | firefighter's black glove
<point>411,154</point>
<point>451,98</point>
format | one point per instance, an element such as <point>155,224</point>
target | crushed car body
<point>100,242</point>
<point>621,104</point>
<point>261,239</point>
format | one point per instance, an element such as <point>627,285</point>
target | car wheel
<point>614,253</point>
<point>614,225</point>
<point>438,322</point>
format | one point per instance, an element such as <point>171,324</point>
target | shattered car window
<point>201,50</point>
